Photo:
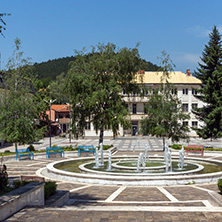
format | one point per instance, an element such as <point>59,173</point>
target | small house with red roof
<point>60,118</point>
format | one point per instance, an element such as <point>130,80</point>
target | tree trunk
<point>16,147</point>
<point>163,143</point>
<point>101,136</point>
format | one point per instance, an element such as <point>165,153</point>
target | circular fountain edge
<point>130,180</point>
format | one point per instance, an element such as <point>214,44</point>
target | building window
<point>194,124</point>
<point>107,127</point>
<point>194,105</point>
<point>194,92</point>
<point>185,91</point>
<point>145,108</point>
<point>185,123</point>
<point>134,108</point>
<point>174,91</point>
<point>185,107</point>
<point>87,127</point>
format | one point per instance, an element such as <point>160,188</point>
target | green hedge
<point>106,147</point>
<point>179,146</point>
<point>65,148</point>
<point>219,184</point>
<point>50,188</point>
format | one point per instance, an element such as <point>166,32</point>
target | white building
<point>185,84</point>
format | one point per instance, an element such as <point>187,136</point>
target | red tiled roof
<point>60,108</point>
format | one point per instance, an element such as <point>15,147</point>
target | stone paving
<point>125,143</point>
<point>90,202</point>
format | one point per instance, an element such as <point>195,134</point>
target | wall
<point>31,194</point>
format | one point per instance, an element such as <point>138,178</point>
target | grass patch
<point>65,148</point>
<point>179,146</point>
<point>134,164</point>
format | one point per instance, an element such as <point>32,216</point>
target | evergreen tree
<point>95,83</point>
<point>210,93</point>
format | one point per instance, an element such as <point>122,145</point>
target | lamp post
<point>69,122</point>
<point>50,103</point>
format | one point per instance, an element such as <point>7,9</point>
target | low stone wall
<point>31,194</point>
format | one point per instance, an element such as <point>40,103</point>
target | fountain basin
<point>119,165</point>
<point>140,179</point>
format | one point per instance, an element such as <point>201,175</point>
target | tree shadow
<point>83,199</point>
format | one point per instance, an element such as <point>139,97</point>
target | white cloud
<point>199,31</point>
<point>220,28</point>
<point>186,61</point>
<point>191,58</point>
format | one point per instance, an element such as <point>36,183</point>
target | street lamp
<point>50,103</point>
<point>69,122</point>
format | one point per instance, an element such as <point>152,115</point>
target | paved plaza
<point>128,143</point>
<point>103,203</point>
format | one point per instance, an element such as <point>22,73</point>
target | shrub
<point>31,148</point>
<point>176,146</point>
<point>106,147</point>
<point>219,184</point>
<point>69,148</point>
<point>18,183</point>
<point>7,151</point>
<point>49,189</point>
<point>54,146</point>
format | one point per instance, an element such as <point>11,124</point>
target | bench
<point>194,148</point>
<point>24,152</point>
<point>33,178</point>
<point>56,149</point>
<point>82,149</point>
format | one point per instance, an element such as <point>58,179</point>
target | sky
<point>50,29</point>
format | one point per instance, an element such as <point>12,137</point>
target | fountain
<point>96,159</point>
<point>140,161</point>
<point>146,153</point>
<point>167,158</point>
<point>138,145</point>
<point>101,154</point>
<point>181,158</point>
<point>109,161</point>
<point>134,170</point>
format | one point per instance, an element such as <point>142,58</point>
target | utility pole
<point>50,131</point>
<point>69,122</point>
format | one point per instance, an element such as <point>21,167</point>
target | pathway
<point>89,202</point>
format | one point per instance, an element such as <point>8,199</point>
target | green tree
<point>57,89</point>
<point>3,23</point>
<point>210,93</point>
<point>95,83</point>
<point>165,116</point>
<point>20,108</point>
<point>164,111</point>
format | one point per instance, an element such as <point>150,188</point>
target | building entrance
<point>134,130</point>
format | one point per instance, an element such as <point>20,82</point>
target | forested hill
<point>49,70</point>
<point>52,68</point>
